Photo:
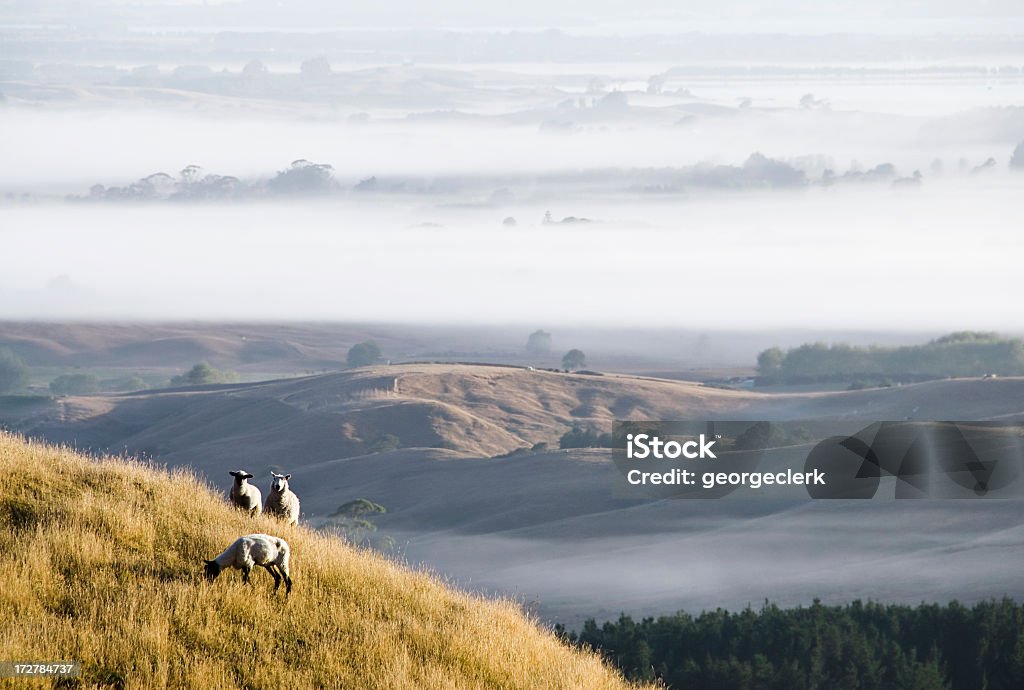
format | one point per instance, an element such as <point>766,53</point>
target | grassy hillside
<point>474,411</point>
<point>478,411</point>
<point>102,563</point>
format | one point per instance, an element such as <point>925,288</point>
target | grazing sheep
<point>255,549</point>
<point>282,501</point>
<point>244,495</point>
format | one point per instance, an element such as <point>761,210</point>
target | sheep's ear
<point>287,476</point>
<point>233,473</point>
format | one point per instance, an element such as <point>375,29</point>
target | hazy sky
<point>607,16</point>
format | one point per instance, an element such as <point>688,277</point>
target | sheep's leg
<point>273,572</point>
<point>287,579</point>
<point>245,575</point>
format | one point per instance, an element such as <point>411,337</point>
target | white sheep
<point>244,495</point>
<point>246,552</point>
<point>282,501</point>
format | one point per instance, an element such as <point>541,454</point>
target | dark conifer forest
<point>860,646</point>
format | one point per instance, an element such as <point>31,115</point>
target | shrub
<point>384,443</point>
<point>767,435</point>
<point>202,374</point>
<point>583,437</point>
<point>353,520</point>
<point>75,384</point>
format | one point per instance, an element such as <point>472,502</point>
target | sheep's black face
<point>212,570</point>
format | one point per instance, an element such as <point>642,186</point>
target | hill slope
<point>404,419</point>
<point>475,410</point>
<point>102,565</point>
<point>545,526</point>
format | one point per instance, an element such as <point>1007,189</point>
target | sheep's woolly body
<point>282,501</point>
<point>244,495</point>
<point>252,550</point>
<point>272,553</point>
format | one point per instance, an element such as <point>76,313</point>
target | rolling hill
<point>433,443</point>
<point>102,563</point>
<point>472,410</point>
<point>445,410</point>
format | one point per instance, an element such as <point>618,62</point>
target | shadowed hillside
<point>102,565</point>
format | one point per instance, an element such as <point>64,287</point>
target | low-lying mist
<point>68,152</point>
<point>943,256</point>
<point>696,560</point>
<point>778,191</point>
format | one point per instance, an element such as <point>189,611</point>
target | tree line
<point>859,646</point>
<point>965,353</point>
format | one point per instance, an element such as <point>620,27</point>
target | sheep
<point>282,501</point>
<point>244,495</point>
<point>263,550</point>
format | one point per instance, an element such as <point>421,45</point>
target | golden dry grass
<point>101,563</point>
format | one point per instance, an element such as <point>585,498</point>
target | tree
<point>759,170</point>
<point>574,359</point>
<point>769,362</point>
<point>202,374</point>
<point>965,353</point>
<point>539,343</point>
<point>190,174</point>
<point>12,371</point>
<point>363,354</point>
<point>254,68</point>
<point>75,384</point>
<point>304,177</point>
<point>809,102</point>
<point>194,186</point>
<point>859,645</point>
<point>353,521</point>
<point>1017,159</point>
<point>317,67</point>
